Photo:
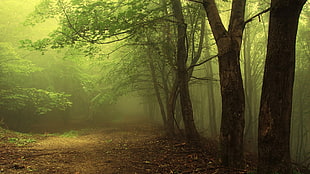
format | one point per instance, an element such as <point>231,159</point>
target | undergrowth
<point>17,138</point>
<point>70,134</point>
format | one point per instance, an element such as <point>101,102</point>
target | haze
<point>93,67</point>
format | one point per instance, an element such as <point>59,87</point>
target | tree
<point>182,73</point>
<point>277,90</point>
<point>301,101</point>
<point>21,105</point>
<point>211,95</point>
<point>229,44</point>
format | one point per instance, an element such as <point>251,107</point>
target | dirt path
<point>121,149</point>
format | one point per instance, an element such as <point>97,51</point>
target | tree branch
<point>115,40</point>
<point>212,57</point>
<point>258,14</point>
<point>196,1</point>
<point>217,27</point>
<point>204,78</point>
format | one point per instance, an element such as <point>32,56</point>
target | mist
<point>112,76</point>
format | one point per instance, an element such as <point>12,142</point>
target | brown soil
<point>116,149</point>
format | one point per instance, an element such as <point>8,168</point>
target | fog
<point>53,79</point>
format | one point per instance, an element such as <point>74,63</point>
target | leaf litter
<point>114,149</point>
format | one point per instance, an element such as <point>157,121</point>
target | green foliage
<point>70,134</point>
<point>21,141</point>
<point>87,25</point>
<point>88,21</point>
<point>108,141</point>
<point>16,98</point>
<point>40,45</point>
<point>42,12</point>
<point>41,101</point>
<point>12,66</point>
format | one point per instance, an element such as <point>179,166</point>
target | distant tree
<point>300,132</point>
<point>277,90</point>
<point>21,105</point>
<point>88,25</point>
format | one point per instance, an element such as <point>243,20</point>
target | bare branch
<point>196,1</point>
<point>212,57</point>
<point>115,40</point>
<point>204,78</point>
<point>258,14</point>
<point>69,21</point>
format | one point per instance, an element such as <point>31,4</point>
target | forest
<point>155,86</point>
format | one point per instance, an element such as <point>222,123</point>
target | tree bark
<point>277,90</point>
<point>229,46</point>
<point>156,88</point>
<point>197,54</point>
<point>191,132</point>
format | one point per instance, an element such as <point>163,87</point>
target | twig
<point>258,14</point>
<point>212,57</point>
<point>204,78</point>
<point>196,1</point>
<point>115,40</point>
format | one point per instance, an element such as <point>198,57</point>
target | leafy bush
<point>38,100</point>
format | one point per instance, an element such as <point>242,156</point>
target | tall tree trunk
<point>210,86</point>
<point>197,54</point>
<point>170,94</point>
<point>229,46</point>
<point>248,85</point>
<point>277,90</point>
<point>212,108</point>
<point>156,88</point>
<point>191,132</point>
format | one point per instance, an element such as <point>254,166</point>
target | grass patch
<point>70,134</point>
<point>21,141</point>
<point>17,138</point>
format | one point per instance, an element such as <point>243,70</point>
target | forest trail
<point>117,149</point>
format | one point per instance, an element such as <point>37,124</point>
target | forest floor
<point>113,149</point>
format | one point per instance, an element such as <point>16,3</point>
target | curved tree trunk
<point>277,91</point>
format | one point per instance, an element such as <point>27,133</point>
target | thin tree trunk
<point>248,85</point>
<point>197,55</point>
<point>212,110</point>
<point>191,132</point>
<point>277,90</point>
<point>210,86</point>
<point>156,88</point>
<point>171,108</point>
<point>170,94</point>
